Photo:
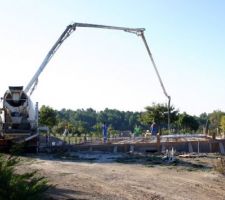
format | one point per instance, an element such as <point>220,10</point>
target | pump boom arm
<point>70,29</point>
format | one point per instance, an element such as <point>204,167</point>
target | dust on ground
<point>128,176</point>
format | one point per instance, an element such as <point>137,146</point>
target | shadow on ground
<point>56,193</point>
<point>146,159</point>
<point>68,194</point>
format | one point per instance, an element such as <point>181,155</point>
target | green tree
<point>59,128</point>
<point>112,117</point>
<point>203,121</point>
<point>98,129</point>
<point>88,116</point>
<point>158,113</point>
<point>215,120</point>
<point>187,122</point>
<point>47,116</point>
<point>119,120</point>
<point>222,123</point>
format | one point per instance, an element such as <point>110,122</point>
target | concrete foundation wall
<point>191,146</point>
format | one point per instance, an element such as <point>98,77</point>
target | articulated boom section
<point>68,31</point>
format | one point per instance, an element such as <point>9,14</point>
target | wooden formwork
<point>206,146</point>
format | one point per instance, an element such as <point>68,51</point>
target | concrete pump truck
<point>19,118</point>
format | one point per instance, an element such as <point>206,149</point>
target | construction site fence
<point>89,139</point>
<point>60,139</point>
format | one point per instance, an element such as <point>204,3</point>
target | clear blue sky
<point>99,69</point>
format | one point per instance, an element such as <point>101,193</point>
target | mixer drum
<point>18,111</point>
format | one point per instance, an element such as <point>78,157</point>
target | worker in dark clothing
<point>154,129</point>
<point>104,132</point>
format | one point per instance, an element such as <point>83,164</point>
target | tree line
<point>89,121</point>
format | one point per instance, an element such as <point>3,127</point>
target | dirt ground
<point>128,177</point>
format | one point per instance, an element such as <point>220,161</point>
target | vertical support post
<point>190,148</point>
<point>37,123</point>
<point>214,135</point>
<point>210,147</point>
<point>221,147</point>
<point>115,149</point>
<point>90,149</point>
<point>131,148</point>
<point>198,147</point>
<point>158,142</point>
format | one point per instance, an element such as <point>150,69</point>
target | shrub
<point>14,186</point>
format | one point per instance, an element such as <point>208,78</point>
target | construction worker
<point>137,131</point>
<point>154,129</point>
<point>104,132</point>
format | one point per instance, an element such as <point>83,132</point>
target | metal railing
<point>58,139</point>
